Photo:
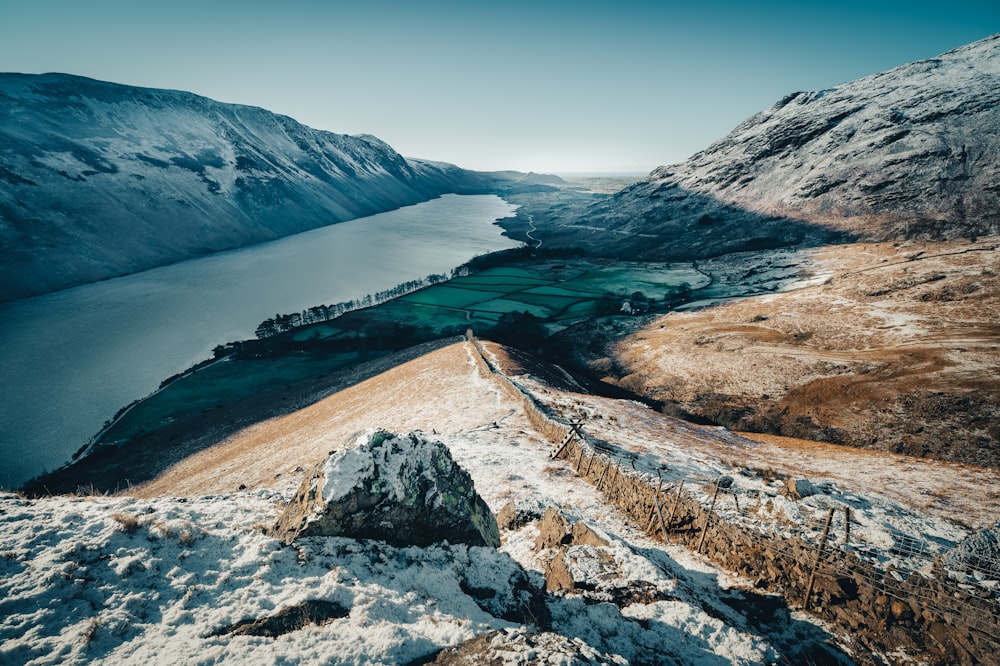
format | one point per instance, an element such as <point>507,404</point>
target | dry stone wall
<point>933,618</point>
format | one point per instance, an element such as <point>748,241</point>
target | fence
<point>943,615</point>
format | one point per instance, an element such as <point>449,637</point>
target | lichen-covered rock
<point>401,489</point>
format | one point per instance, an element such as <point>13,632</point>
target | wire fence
<point>939,597</point>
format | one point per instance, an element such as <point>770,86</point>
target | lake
<point>71,359</point>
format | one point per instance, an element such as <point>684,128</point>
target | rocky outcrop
<point>583,561</point>
<point>525,647</point>
<point>401,489</point>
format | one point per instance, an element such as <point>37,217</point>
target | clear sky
<point>562,86</point>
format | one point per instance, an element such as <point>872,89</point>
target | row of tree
<point>280,323</point>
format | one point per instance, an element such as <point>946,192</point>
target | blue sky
<point>543,86</point>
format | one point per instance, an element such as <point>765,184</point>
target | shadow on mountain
<point>660,221</point>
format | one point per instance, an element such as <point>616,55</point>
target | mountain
<point>910,153</point>
<point>100,179</point>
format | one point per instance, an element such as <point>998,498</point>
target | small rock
<point>801,488</point>
<point>553,530</point>
<point>519,513</point>
<point>583,535</point>
<point>581,568</point>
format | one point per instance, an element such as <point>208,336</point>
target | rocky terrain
<point>910,153</point>
<point>101,180</point>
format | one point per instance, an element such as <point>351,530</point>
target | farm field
<point>556,292</point>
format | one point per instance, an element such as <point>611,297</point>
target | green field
<point>558,293</point>
<point>551,291</point>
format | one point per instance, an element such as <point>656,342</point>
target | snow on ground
<point>151,580</point>
<point>154,579</point>
<point>81,583</point>
<point>904,511</point>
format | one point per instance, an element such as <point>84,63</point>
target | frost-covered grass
<point>151,580</point>
<point>119,580</point>
<point>81,582</point>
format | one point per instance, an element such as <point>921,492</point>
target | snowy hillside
<point>185,573</point>
<point>100,179</point>
<point>912,152</point>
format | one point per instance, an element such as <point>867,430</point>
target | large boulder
<point>401,489</point>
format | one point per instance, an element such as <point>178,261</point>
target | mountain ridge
<point>909,153</point>
<point>104,179</point>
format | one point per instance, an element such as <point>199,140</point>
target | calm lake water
<point>69,360</point>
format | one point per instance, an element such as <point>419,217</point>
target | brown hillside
<point>898,350</point>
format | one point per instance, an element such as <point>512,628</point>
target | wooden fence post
<point>708,516</point>
<point>606,468</point>
<point>819,555</point>
<point>574,431</point>
<point>847,524</point>
<point>652,509</point>
<point>663,527</point>
<point>616,468</point>
<point>673,508</point>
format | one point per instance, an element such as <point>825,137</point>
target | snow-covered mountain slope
<point>913,152</point>
<point>100,179</point>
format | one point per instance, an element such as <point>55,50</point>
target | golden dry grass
<point>440,391</point>
<point>899,350</point>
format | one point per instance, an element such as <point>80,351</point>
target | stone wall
<point>933,619</point>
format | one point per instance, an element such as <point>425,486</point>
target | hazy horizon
<point>579,87</point>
